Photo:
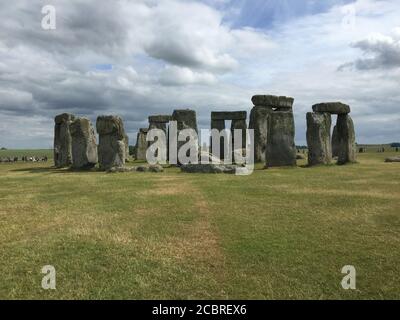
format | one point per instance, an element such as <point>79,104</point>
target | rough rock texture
<point>84,147</point>
<point>226,115</point>
<point>63,140</point>
<point>319,138</point>
<point>392,159</point>
<point>238,124</point>
<point>335,142</point>
<point>111,149</point>
<point>208,168</point>
<point>126,141</point>
<point>281,149</point>
<point>185,119</point>
<point>259,117</point>
<point>141,144</point>
<point>152,168</point>
<point>219,125</point>
<point>346,137</point>
<point>332,107</point>
<point>160,118</point>
<point>280,103</point>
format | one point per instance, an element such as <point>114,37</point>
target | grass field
<point>277,234</point>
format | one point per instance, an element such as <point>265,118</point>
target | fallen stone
<point>84,147</point>
<point>392,159</point>
<point>300,156</point>
<point>151,168</point>
<point>332,107</point>
<point>208,168</point>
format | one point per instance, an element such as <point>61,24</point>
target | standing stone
<point>141,144</point>
<point>111,149</point>
<point>219,125</point>
<point>186,119</point>
<point>346,139</point>
<point>126,141</point>
<point>259,118</point>
<point>281,149</point>
<point>62,140</point>
<point>239,124</point>
<point>335,142</point>
<point>84,148</point>
<point>319,138</point>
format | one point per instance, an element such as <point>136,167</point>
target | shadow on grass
<point>53,170</point>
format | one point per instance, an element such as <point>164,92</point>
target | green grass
<point>277,234</point>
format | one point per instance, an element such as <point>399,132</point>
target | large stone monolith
<point>62,140</point>
<point>126,141</point>
<point>186,119</point>
<point>347,139</point>
<point>84,147</point>
<point>259,117</point>
<point>220,126</point>
<point>281,149</point>
<point>141,144</point>
<point>242,125</point>
<point>319,138</point>
<point>111,149</point>
<point>335,142</point>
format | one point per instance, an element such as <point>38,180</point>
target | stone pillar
<point>346,139</point>
<point>319,138</point>
<point>111,149</point>
<point>335,142</point>
<point>259,118</point>
<point>160,122</point>
<point>126,141</point>
<point>239,124</point>
<point>141,144</point>
<point>84,147</point>
<point>62,140</point>
<point>218,125</point>
<point>281,149</point>
<point>186,119</point>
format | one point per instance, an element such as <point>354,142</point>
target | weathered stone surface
<point>281,149</point>
<point>185,118</point>
<point>279,102</point>
<point>242,125</point>
<point>332,107</point>
<point>158,125</point>
<point>151,168</point>
<point>346,137</point>
<point>63,140</point>
<point>335,142</point>
<point>392,159</point>
<point>219,125</point>
<point>259,117</point>
<point>208,168</point>
<point>160,118</point>
<point>227,115</point>
<point>319,138</point>
<point>126,141</point>
<point>111,149</point>
<point>300,156</point>
<point>141,144</point>
<point>84,147</point>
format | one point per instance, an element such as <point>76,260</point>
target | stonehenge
<point>271,118</point>
<point>141,144</point>
<point>111,148</point>
<point>84,147</point>
<point>273,123</point>
<point>238,121</point>
<point>62,140</point>
<point>321,147</point>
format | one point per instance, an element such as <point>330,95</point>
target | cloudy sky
<point>141,57</point>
